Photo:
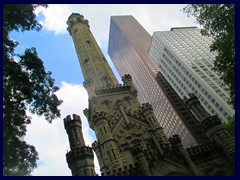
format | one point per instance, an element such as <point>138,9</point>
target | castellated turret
<point>80,157</point>
<point>211,125</point>
<point>213,128</point>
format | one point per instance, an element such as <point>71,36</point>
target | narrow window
<point>88,42</point>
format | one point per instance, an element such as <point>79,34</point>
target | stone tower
<point>80,158</point>
<point>130,140</point>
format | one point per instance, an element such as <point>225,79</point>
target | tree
<point>218,20</point>
<point>26,86</point>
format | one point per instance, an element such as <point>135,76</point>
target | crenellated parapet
<point>79,153</point>
<point>131,169</point>
<point>72,122</point>
<point>111,89</point>
<point>202,149</point>
<point>76,18</point>
<point>80,161</point>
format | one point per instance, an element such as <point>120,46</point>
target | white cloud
<point>153,17</point>
<point>51,140</point>
<point>55,17</point>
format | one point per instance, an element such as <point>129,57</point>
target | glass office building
<point>183,56</point>
<point>128,48</point>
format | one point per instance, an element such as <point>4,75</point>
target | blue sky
<point>55,47</point>
<point>56,51</point>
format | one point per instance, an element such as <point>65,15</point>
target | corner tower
<point>80,158</point>
<point>212,126</point>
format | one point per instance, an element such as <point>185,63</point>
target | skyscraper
<point>183,56</point>
<point>130,140</point>
<point>128,48</point>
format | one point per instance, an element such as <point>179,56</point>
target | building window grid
<point>200,73</point>
<point>182,93</point>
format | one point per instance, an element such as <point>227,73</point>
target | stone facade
<point>130,140</point>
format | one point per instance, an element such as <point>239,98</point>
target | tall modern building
<point>183,56</point>
<point>128,48</point>
<point>130,140</point>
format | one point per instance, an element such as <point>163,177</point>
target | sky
<point>55,47</point>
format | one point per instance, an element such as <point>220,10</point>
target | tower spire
<point>93,63</point>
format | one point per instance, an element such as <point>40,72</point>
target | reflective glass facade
<point>128,48</point>
<point>184,58</point>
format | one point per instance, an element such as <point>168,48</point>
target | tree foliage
<point>218,20</point>
<point>26,86</point>
<point>230,126</point>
